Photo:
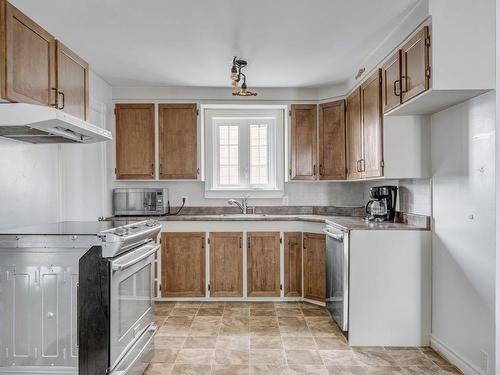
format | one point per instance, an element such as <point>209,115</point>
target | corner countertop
<point>346,223</point>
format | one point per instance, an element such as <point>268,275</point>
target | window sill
<point>244,193</point>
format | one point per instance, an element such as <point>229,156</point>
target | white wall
<point>47,183</point>
<point>463,195</point>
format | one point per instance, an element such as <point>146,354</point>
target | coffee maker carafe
<point>382,206</point>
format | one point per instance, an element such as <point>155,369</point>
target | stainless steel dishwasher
<point>337,275</point>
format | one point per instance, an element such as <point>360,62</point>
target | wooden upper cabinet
<point>263,262</point>
<point>178,141</point>
<point>135,141</point>
<point>332,157</point>
<point>354,135</point>
<point>371,118</point>
<point>293,264</point>
<point>391,82</point>
<point>72,82</point>
<point>415,70</point>
<point>314,266</point>
<point>183,264</point>
<point>226,264</point>
<point>303,142</point>
<point>27,60</point>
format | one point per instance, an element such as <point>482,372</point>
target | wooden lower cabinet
<point>314,266</point>
<point>263,264</point>
<point>293,264</point>
<point>226,264</point>
<point>183,264</point>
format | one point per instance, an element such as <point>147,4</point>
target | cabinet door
<point>371,118</point>
<point>293,264</point>
<point>303,143</point>
<point>183,264</point>
<point>135,141</point>
<point>354,135</point>
<point>29,64</point>
<point>314,266</point>
<point>72,82</point>
<point>263,259</point>
<point>415,71</point>
<point>226,264</point>
<point>332,141</point>
<point>178,141</point>
<point>391,82</point>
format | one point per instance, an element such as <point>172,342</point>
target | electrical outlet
<point>185,200</point>
<point>485,362</point>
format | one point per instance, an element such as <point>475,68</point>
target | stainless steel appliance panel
<point>140,201</point>
<point>337,276</point>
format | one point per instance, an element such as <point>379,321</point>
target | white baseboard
<point>463,365</point>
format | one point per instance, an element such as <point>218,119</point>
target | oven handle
<point>122,266</point>
<point>337,236</point>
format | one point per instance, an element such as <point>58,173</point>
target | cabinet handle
<point>363,166</point>
<point>396,83</point>
<point>358,169</point>
<point>321,170</point>
<point>161,167</point>
<point>152,169</point>
<point>62,95</point>
<point>314,170</point>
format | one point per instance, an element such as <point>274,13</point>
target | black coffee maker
<point>382,206</point>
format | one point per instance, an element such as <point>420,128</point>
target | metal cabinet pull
<point>396,83</point>
<point>62,95</point>
<point>152,169</point>
<point>314,170</point>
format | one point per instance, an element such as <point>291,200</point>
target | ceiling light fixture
<point>236,75</point>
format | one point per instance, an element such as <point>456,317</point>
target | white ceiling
<point>288,43</point>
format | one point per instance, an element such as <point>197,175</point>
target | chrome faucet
<point>243,205</point>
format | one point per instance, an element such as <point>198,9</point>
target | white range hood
<point>39,124</point>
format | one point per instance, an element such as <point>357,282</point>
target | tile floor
<point>271,338</point>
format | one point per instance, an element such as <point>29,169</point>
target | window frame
<point>213,115</point>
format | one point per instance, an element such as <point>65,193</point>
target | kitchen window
<point>244,152</point>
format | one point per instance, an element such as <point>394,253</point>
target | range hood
<point>39,124</point>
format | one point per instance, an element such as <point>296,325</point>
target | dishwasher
<point>337,275</point>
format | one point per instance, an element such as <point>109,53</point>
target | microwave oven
<point>140,201</point>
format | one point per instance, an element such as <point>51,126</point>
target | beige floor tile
<point>204,329</point>
<point>339,358</point>
<point>230,370</point>
<point>159,369</point>
<point>435,357</point>
<point>264,326</point>
<point>261,305</point>
<point>184,311</point>
<point>315,312</point>
<point>422,370</point>
<point>188,304</point>
<point>346,370</point>
<point>169,342</point>
<point>267,356</point>
<point>303,357</point>
<point>289,312</point>
<point>293,326</point>
<point>385,370</point>
<point>291,342</point>
<point>213,305</point>
<point>331,343</point>
<point>375,358</point>
<point>266,342</point>
<point>236,304</point>
<point>307,369</point>
<point>268,369</point>
<point>410,357</point>
<point>287,305</point>
<point>164,355</point>
<point>449,370</point>
<point>232,357</point>
<point>322,327</point>
<point>233,342</point>
<point>200,342</point>
<point>186,369</point>
<point>195,356</point>
<point>310,306</point>
<point>208,311</point>
<point>236,312</point>
<point>262,312</point>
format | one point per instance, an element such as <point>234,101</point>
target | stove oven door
<point>131,299</point>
